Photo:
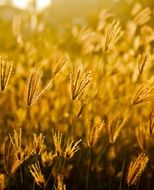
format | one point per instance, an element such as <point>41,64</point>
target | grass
<point>77,112</point>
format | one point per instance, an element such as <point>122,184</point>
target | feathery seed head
<point>114,126</point>
<point>34,91</point>
<point>36,172</point>
<point>11,160</point>
<point>103,17</point>
<point>113,33</point>
<point>151,122</point>
<point>57,139</point>
<point>79,83</point>
<point>60,64</point>
<point>38,144</point>
<point>33,87</point>
<point>142,135</point>
<point>47,158</point>
<point>136,168</point>
<point>16,141</point>
<point>144,94</point>
<point>143,60</point>
<point>60,183</point>
<point>94,131</point>
<point>71,148</point>
<point>142,16</point>
<point>14,155</point>
<point>5,71</point>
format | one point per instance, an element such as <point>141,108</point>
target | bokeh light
<point>41,4</point>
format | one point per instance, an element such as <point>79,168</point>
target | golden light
<point>20,4</point>
<point>41,4</point>
<point>23,4</point>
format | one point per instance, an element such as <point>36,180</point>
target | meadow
<point>76,106</point>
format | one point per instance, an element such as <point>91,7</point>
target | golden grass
<point>87,107</point>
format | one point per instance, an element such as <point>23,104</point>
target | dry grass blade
<point>136,168</point>
<point>5,71</point>
<point>144,94</point>
<point>113,33</point>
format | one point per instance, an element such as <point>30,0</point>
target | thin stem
<point>34,185</point>
<point>21,176</point>
<point>43,91</point>
<point>88,169</point>
<point>63,167</point>
<point>28,116</point>
<point>148,185</point>
<point>105,63</point>
<point>110,176</point>
<point>102,153</point>
<point>51,174</point>
<point>123,166</point>
<point>138,184</point>
<point>57,173</point>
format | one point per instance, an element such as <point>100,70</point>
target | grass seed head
<point>36,172</point>
<point>142,136</point>
<point>144,94</point>
<point>47,158</point>
<point>33,87</point>
<point>142,61</point>
<point>143,16</point>
<point>136,168</point>
<point>5,71</point>
<point>11,161</point>
<point>79,83</point>
<point>113,33</point>
<point>151,122</point>
<point>38,144</point>
<point>71,148</point>
<point>57,139</point>
<point>60,183</point>
<point>115,124</point>
<point>94,132</point>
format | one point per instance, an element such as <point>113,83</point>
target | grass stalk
<point>88,168</point>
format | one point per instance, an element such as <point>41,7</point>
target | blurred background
<point>55,16</point>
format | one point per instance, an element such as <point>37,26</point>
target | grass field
<point>76,106</point>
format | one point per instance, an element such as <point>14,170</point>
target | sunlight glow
<point>41,4</point>
<point>23,4</point>
<point>20,4</point>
